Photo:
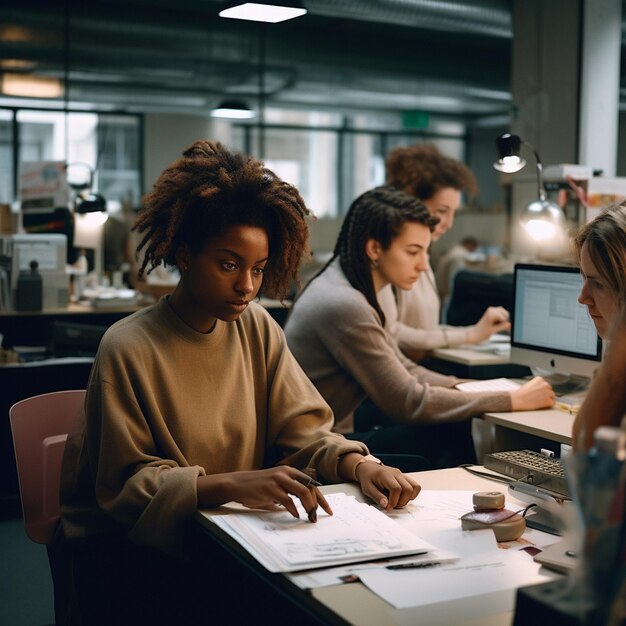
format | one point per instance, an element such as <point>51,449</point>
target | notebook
<point>493,384</point>
<point>561,556</point>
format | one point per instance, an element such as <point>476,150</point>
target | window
<point>306,158</point>
<point>108,144</point>
<point>119,159</point>
<point>6,157</point>
<point>331,158</point>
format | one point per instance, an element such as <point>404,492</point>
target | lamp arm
<point>540,188</point>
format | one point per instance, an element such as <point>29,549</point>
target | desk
<point>468,362</point>
<point>337,604</point>
<point>33,328</point>
<point>531,429</point>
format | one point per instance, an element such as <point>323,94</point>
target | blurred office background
<point>130,83</point>
<point>125,85</point>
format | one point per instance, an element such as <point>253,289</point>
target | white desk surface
<point>359,606</point>
<point>548,423</point>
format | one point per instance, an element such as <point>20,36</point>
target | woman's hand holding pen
<point>264,489</point>
<point>387,486</point>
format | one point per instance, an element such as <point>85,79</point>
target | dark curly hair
<point>376,214</point>
<point>421,170</point>
<point>210,189</point>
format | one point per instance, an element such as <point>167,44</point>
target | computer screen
<point>551,330</point>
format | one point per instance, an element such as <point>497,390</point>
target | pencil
<point>308,482</point>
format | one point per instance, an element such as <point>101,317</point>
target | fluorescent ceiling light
<point>30,86</point>
<point>234,110</point>
<point>260,12</point>
<point>17,65</point>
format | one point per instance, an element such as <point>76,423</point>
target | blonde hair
<point>605,237</point>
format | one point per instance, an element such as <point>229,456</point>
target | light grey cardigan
<point>338,339</point>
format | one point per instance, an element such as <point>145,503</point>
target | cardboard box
<point>8,221</point>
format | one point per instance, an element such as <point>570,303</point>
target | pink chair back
<point>40,425</point>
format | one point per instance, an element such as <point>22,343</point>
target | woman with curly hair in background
<point>413,315</point>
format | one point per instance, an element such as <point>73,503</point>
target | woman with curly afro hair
<point>413,316</point>
<point>196,401</point>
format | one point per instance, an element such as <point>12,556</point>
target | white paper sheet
<point>355,532</point>
<point>496,570</point>
<point>493,384</point>
<point>324,577</point>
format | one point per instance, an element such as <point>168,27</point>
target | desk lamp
<point>542,219</point>
<point>89,213</point>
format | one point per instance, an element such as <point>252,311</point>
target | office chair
<point>39,425</point>
<point>473,292</point>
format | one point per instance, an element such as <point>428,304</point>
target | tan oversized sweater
<point>338,340</point>
<point>166,404</point>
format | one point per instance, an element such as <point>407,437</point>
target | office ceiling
<point>448,57</point>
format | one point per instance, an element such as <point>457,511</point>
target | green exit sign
<point>414,119</point>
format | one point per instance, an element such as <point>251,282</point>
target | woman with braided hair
<point>196,401</point>
<point>336,332</point>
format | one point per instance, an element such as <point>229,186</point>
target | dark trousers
<point>441,445</point>
<point>110,580</point>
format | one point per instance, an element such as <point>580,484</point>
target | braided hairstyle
<point>210,189</point>
<point>605,237</point>
<point>421,170</point>
<point>377,214</point>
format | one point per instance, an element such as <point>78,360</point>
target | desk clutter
<point>598,485</point>
<point>490,512</point>
<point>594,592</point>
<point>442,563</point>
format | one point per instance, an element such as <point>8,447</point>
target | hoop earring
<point>374,262</point>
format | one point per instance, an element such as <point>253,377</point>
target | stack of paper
<point>493,384</point>
<point>355,532</point>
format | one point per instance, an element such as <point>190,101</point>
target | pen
<point>413,565</point>
<point>572,409</point>
<point>309,482</point>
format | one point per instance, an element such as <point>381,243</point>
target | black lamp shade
<point>90,203</point>
<point>509,159</point>
<point>508,145</point>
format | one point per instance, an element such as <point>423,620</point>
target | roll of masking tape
<point>486,500</point>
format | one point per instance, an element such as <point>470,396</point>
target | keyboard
<point>569,386</point>
<point>529,467</point>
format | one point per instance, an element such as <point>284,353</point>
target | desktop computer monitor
<point>551,331</point>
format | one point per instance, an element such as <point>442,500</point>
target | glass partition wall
<point>110,144</point>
